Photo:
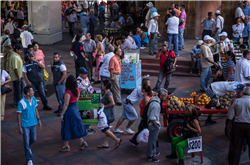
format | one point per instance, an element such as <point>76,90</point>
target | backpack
<point>144,117</point>
<point>167,66</point>
<point>16,32</point>
<point>68,11</point>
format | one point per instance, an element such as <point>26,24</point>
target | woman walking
<point>72,127</point>
<point>99,54</point>
<point>5,79</point>
<point>109,103</point>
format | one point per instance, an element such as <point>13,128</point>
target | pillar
<point>46,21</point>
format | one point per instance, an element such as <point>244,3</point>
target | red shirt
<point>142,106</point>
<point>163,57</point>
<point>72,97</point>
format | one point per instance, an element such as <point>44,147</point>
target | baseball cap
<point>223,34</point>
<point>240,88</point>
<point>210,13</point>
<point>173,12</point>
<point>200,42</point>
<point>207,37</point>
<point>150,4</point>
<point>83,70</point>
<point>217,12</point>
<point>31,54</point>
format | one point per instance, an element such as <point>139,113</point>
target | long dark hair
<point>148,90</point>
<point>232,55</point>
<point>71,85</point>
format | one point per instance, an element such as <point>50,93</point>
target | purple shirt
<point>183,16</point>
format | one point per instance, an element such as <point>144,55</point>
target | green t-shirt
<point>15,62</point>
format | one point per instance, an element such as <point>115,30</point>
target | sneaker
<point>57,111</point>
<point>153,159</point>
<point>128,130</point>
<point>37,101</point>
<point>30,162</point>
<point>209,122</point>
<point>47,108</point>
<point>132,143</point>
<point>90,130</point>
<point>157,153</point>
<point>117,131</point>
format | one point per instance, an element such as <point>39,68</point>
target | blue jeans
<point>25,51</point>
<point>71,28</point>
<point>235,39</point>
<point>84,31</point>
<point>41,93</point>
<point>198,63</point>
<point>59,89</point>
<point>175,38</point>
<point>44,86</point>
<point>205,76</point>
<point>181,39</point>
<point>65,21</point>
<point>29,137</point>
<point>18,90</point>
<point>161,76</point>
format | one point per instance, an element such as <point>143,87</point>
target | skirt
<point>128,111</point>
<point>72,126</point>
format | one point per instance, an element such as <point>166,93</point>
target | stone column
<point>46,21</point>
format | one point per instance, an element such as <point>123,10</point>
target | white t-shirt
<point>173,25</point>
<point>242,70</point>
<point>136,96</point>
<point>105,66</point>
<point>221,88</point>
<point>239,13</point>
<point>4,75</point>
<point>219,23</point>
<point>62,68</point>
<point>26,38</point>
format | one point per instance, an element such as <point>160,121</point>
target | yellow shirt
<point>15,62</point>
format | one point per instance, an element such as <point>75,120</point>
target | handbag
<point>46,75</point>
<point>99,53</point>
<point>5,88</point>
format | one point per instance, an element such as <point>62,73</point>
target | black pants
<point>207,32</point>
<point>240,131</point>
<point>77,66</point>
<point>92,31</point>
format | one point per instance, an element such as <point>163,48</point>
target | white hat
<point>217,12</point>
<point>207,37</point>
<point>150,4</point>
<point>200,42</point>
<point>223,34</point>
<point>155,14</point>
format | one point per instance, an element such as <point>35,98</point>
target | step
<point>154,60</point>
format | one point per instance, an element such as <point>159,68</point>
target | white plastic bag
<point>102,123</point>
<point>143,136</point>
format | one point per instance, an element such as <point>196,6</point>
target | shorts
<point>128,111</point>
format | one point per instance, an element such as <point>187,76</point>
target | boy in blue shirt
<point>27,117</point>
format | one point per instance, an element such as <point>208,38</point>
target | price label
<point>195,144</point>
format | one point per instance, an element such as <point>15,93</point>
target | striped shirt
<point>225,69</point>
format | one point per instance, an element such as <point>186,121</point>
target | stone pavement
<point>45,149</point>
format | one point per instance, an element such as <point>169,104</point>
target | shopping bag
<point>143,136</point>
<point>46,75</point>
<point>102,123</point>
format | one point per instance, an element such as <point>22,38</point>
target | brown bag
<point>99,53</point>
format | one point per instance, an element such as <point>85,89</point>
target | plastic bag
<point>102,123</point>
<point>143,136</point>
<point>46,75</point>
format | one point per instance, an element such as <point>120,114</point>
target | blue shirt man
<point>247,10</point>
<point>137,40</point>
<point>102,9</point>
<point>27,116</point>
<point>84,21</point>
<point>246,30</point>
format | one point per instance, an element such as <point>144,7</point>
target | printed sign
<point>195,144</point>
<point>88,105</point>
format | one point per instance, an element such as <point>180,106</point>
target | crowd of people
<point>27,73</point>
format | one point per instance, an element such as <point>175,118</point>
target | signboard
<point>195,144</point>
<point>130,75</point>
<point>88,105</point>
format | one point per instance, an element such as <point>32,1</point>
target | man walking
<point>153,33</point>
<point>92,23</point>
<point>219,24</point>
<point>27,39</point>
<point>207,61</point>
<point>154,125</point>
<point>239,112</point>
<point>84,21</point>
<point>172,31</point>
<point>32,75</point>
<point>59,75</point>
<point>7,49</point>
<point>208,25</point>
<point>16,73</point>
<point>27,117</point>
<point>182,24</point>
<point>89,47</point>
<point>115,70</point>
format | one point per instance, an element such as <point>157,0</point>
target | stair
<point>151,67</point>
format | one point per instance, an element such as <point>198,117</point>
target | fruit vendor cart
<point>173,117</point>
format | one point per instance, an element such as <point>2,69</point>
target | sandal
<point>102,146</point>
<point>65,149</point>
<point>118,144</point>
<point>83,145</point>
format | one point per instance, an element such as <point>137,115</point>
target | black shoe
<point>172,156</point>
<point>59,114</point>
<point>181,162</point>
<point>119,103</point>
<point>153,159</point>
<point>157,154</point>
<point>57,111</point>
<point>47,108</point>
<point>209,122</point>
<point>90,130</point>
<point>133,143</point>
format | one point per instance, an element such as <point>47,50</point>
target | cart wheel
<point>174,128</point>
<point>227,133</point>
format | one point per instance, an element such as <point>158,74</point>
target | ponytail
<point>232,55</point>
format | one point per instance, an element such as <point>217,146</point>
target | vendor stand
<point>131,69</point>
<point>113,29</point>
